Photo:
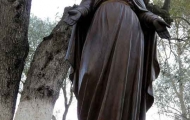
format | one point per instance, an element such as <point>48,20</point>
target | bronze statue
<point>113,58</point>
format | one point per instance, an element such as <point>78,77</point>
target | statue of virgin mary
<point>112,52</point>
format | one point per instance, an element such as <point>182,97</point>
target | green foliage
<point>180,8</point>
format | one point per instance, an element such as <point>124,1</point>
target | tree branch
<point>53,117</point>
<point>188,22</point>
<point>67,104</point>
<point>71,99</point>
<point>162,12</point>
<point>166,5</point>
<point>64,92</point>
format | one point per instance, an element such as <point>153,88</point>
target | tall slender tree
<point>45,76</point>
<point>14,20</point>
<point>172,97</point>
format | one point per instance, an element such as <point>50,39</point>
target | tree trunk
<point>180,80</point>
<point>45,76</point>
<point>14,21</point>
<point>67,101</point>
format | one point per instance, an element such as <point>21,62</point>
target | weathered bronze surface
<point>113,58</point>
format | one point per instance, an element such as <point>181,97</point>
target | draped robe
<point>113,62</point>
